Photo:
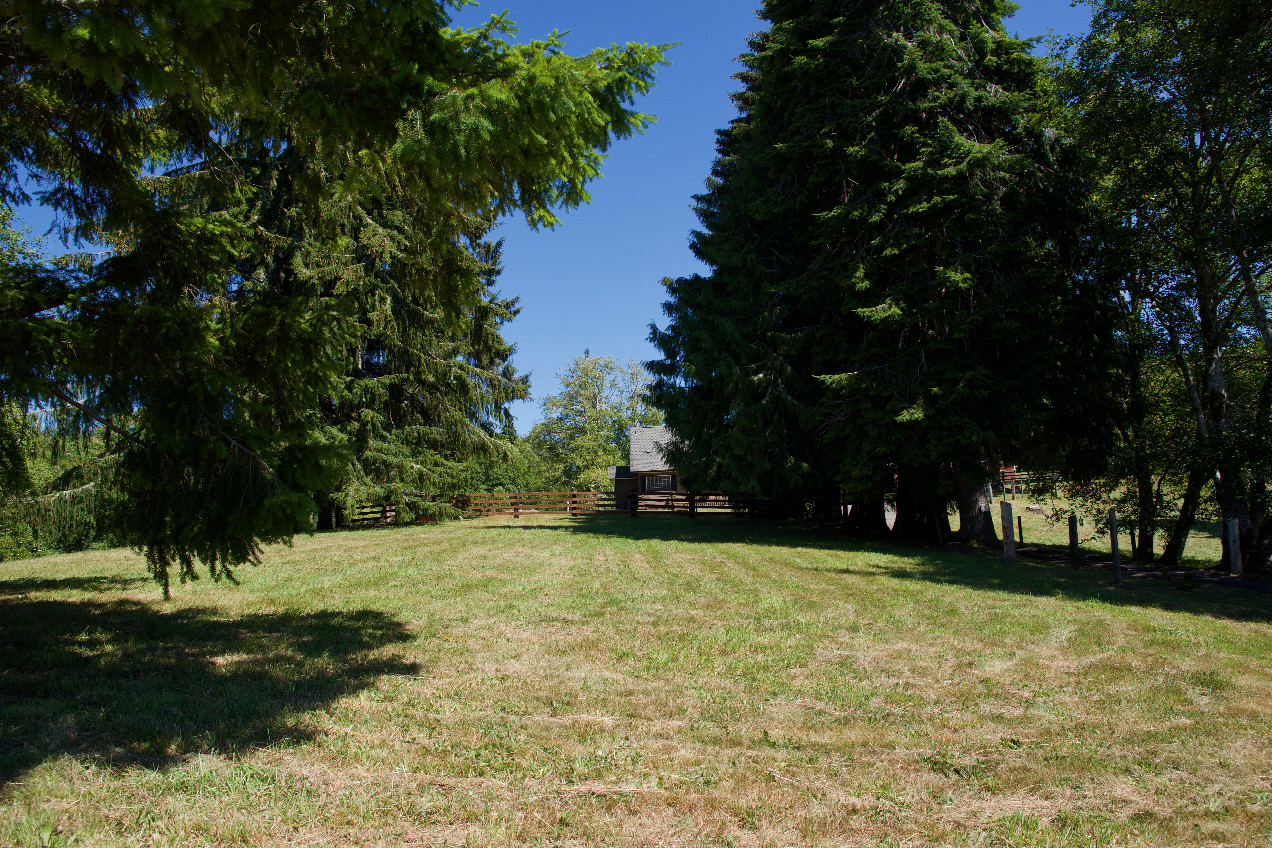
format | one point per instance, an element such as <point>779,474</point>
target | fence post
<point>693,507</point>
<point>1073,537</point>
<point>1009,538</point>
<point>1117,556</point>
<point>1130,528</point>
<point>516,504</point>
<point>569,505</point>
<point>1020,528</point>
<point>633,503</point>
<point>1234,547</point>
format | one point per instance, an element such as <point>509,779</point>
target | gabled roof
<point>647,445</point>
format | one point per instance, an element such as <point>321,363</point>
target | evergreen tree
<point>890,230</point>
<point>242,166</point>
<point>425,394</point>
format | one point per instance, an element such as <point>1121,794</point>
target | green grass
<point>1044,531</point>
<point>618,681</point>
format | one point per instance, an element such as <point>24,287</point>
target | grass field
<point>618,681</point>
<point>1045,531</point>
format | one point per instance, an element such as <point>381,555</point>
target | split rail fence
<point>517,504</point>
<point>480,504</point>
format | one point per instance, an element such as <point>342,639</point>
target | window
<point>658,483</point>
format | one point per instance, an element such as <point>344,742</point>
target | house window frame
<point>649,487</point>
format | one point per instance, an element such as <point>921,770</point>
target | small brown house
<point>648,471</point>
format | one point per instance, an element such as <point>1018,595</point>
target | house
<point>648,471</point>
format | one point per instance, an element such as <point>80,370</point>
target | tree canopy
<point>1173,101</point>
<point>894,291</point>
<point>586,426</point>
<point>260,179</point>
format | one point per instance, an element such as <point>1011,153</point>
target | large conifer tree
<point>252,171</point>
<point>889,228</point>
<point>426,392</point>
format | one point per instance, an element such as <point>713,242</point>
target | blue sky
<point>592,283</point>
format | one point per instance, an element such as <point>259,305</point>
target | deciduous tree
<point>1174,99</point>
<point>586,426</point>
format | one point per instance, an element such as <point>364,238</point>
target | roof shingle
<point>647,445</point>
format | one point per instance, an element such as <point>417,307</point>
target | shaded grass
<point>628,682</point>
<point>1203,551</point>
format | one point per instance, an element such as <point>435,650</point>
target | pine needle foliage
<point>266,180</point>
<point>890,227</point>
<point>424,395</point>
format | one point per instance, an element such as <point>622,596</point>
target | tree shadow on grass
<point>107,583</point>
<point>125,683</point>
<point>981,569</point>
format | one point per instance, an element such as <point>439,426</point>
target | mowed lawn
<point>620,681</point>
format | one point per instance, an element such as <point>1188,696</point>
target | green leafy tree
<point>242,166</point>
<point>517,467</point>
<point>43,503</point>
<point>1174,101</point>
<point>586,426</point>
<point>892,233</point>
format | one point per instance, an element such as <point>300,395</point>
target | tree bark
<point>921,510</point>
<point>1230,485</point>
<point>1178,538</point>
<point>975,516</point>
<point>868,515</point>
<point>1145,509</point>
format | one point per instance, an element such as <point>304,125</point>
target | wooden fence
<point>517,504</point>
<point>368,516</point>
<point>480,504</point>
<point>1014,481</point>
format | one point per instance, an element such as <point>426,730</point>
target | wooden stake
<point>1117,557</point>
<point>1020,528</point>
<point>1073,537</point>
<point>1009,538</point>
<point>1234,547</point>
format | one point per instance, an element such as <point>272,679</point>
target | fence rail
<point>481,504</point>
<point>1015,481</point>
<point>516,504</point>
<point>369,516</point>
<point>587,503</point>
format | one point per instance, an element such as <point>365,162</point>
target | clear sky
<point>593,282</point>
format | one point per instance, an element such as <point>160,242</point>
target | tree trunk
<point>1259,553</point>
<point>1146,499</point>
<point>1145,509</point>
<point>1230,485</point>
<point>868,515</point>
<point>1178,539</point>
<point>975,515</point>
<point>921,512</point>
<point>1230,492</point>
